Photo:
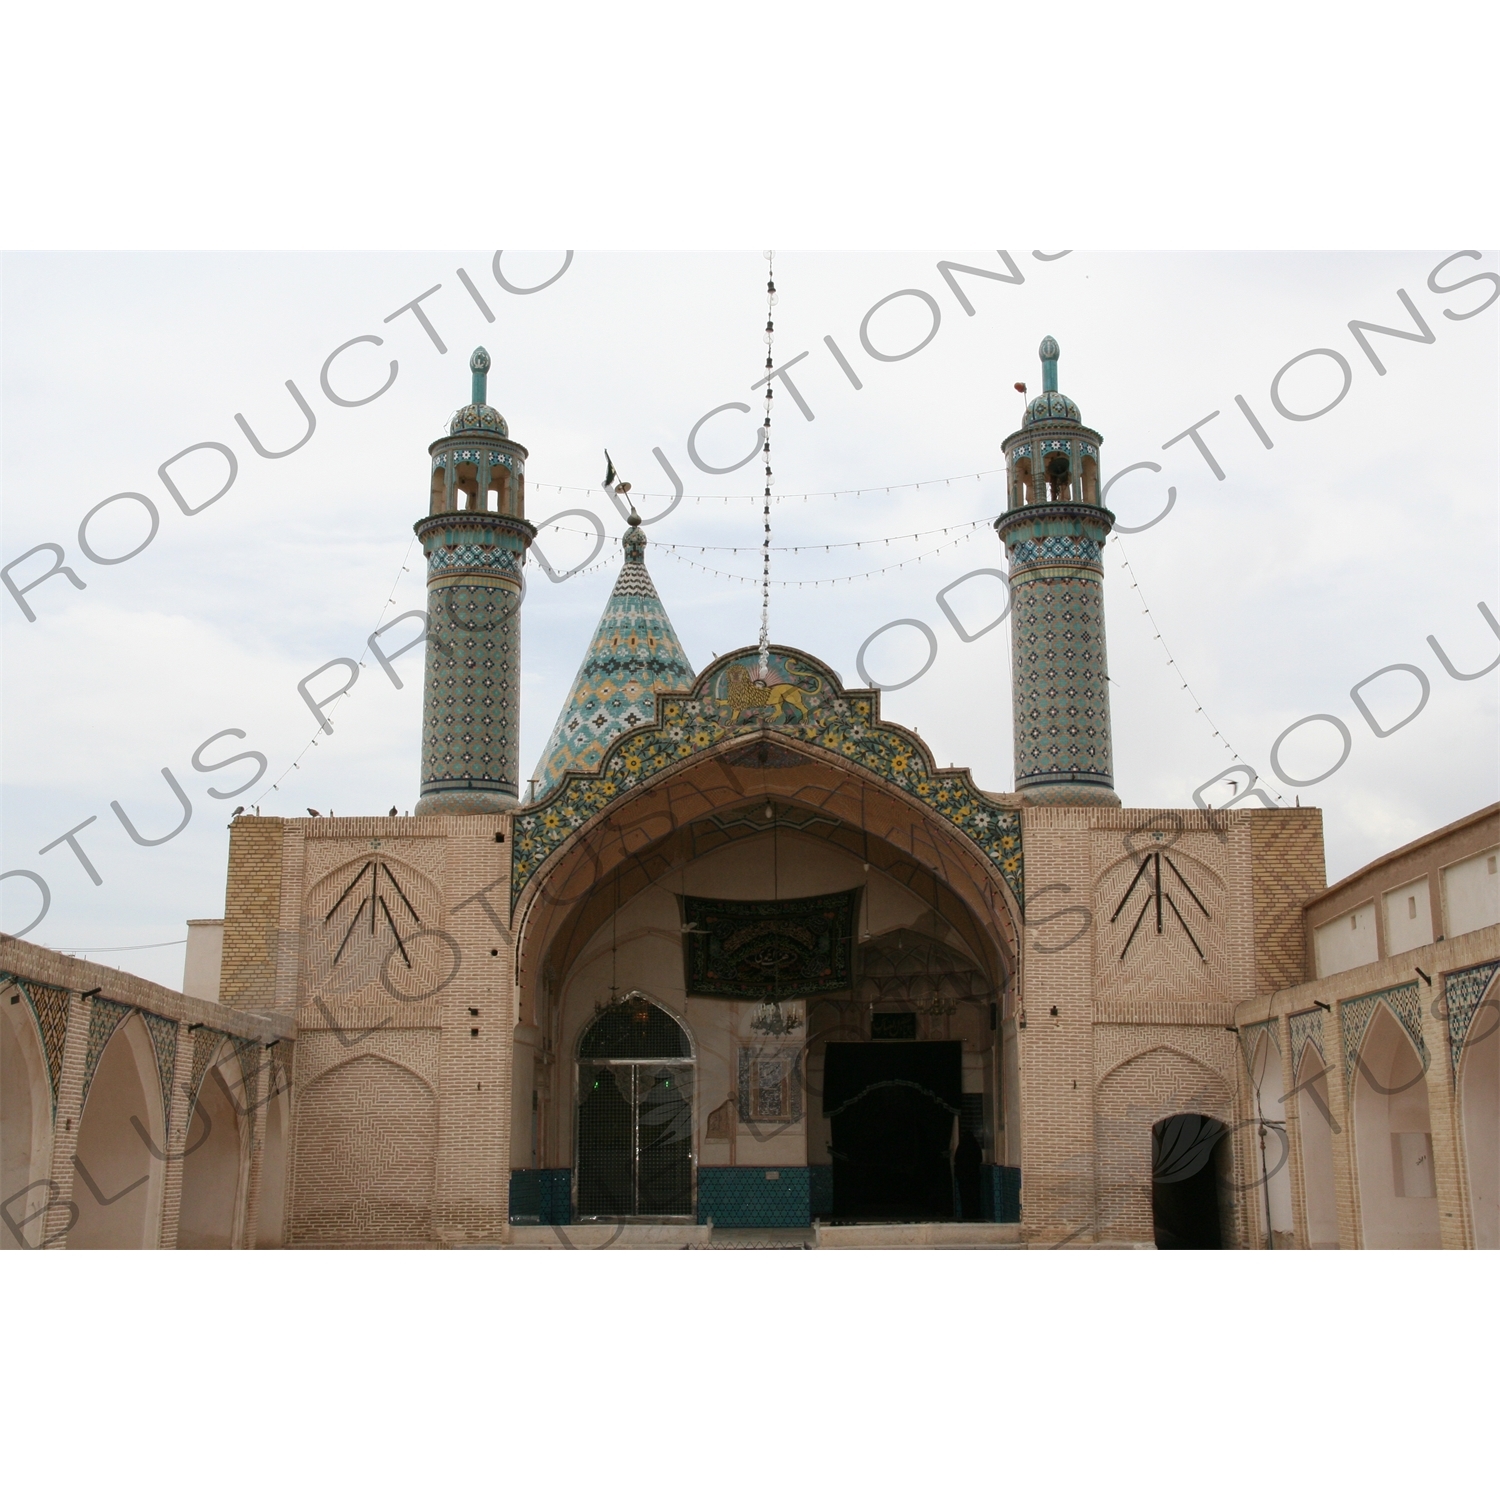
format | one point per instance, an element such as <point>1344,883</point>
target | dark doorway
<point>1188,1166</point>
<point>892,1107</point>
<point>968,1159</point>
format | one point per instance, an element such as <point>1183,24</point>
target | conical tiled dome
<point>635,654</point>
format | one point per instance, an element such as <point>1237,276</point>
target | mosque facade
<point>742,963</point>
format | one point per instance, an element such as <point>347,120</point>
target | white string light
<point>813,583</point>
<point>847,494</point>
<point>765,544</point>
<point>1172,662</point>
<point>296,764</point>
<point>869,541</point>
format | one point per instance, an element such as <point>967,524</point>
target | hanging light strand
<point>765,543</point>
<point>844,494</point>
<point>317,738</point>
<point>814,583</point>
<point>870,541</point>
<point>1198,708</point>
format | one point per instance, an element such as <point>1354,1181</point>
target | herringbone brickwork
<point>1153,1085</point>
<point>1287,849</point>
<point>366,1157</point>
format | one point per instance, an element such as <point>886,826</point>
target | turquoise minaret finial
<point>475,537</point>
<point>1049,352</point>
<point>634,540</point>
<point>1053,530</point>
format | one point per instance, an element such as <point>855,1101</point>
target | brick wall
<point>1136,1038</point>
<point>1287,851</point>
<point>1159,1079</point>
<point>252,908</point>
<point>1423,857</point>
<point>367,1151</point>
<point>401,1124</point>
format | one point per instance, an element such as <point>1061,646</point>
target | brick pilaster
<point>1454,1225</point>
<point>1345,1172</point>
<point>1292,1104</point>
<point>60,1215</point>
<point>178,1129</point>
<point>253,1095</point>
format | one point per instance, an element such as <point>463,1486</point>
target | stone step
<point>918,1236</point>
<point>609,1236</point>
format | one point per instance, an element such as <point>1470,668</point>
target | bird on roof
<point>312,812</point>
<point>391,813</point>
<point>237,811</point>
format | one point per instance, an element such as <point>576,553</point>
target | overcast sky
<point>1309,566</point>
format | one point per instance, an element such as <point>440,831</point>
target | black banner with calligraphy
<point>769,950</point>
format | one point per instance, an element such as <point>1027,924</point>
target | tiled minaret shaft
<point>1053,530</point>
<point>475,538</point>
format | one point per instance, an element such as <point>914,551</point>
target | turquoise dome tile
<point>634,655</point>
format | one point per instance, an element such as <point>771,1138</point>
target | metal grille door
<point>606,1140</point>
<point>635,1140</point>
<point>664,1140</point>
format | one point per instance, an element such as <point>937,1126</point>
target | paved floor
<point>812,1237</point>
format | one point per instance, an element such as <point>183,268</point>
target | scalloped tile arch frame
<point>802,700</point>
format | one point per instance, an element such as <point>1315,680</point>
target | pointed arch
<point>1270,1145</point>
<point>791,713</point>
<point>1191,1173</point>
<point>1393,1138</point>
<point>213,1166</point>
<point>1192,1079</point>
<point>1130,1100</point>
<point>625,848</point>
<point>363,929</point>
<point>634,1133</point>
<point>366,1155</point>
<point>1315,1145</point>
<point>120,1160</point>
<point>26,1106</point>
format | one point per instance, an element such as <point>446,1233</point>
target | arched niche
<point>640,837</point>
<point>1393,1140</point>
<point>371,932</point>
<point>25,1122</point>
<point>761,816</point>
<point>1130,1101</point>
<point>1189,958</point>
<point>634,1136</point>
<point>1270,1146</point>
<point>213,1166</point>
<point>366,1156</point>
<point>1315,1131</point>
<point>120,1161</point>
<point>625,932</point>
<point>1479,1111</point>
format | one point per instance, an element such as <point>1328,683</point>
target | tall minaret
<point>475,537</point>
<point>1053,530</point>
